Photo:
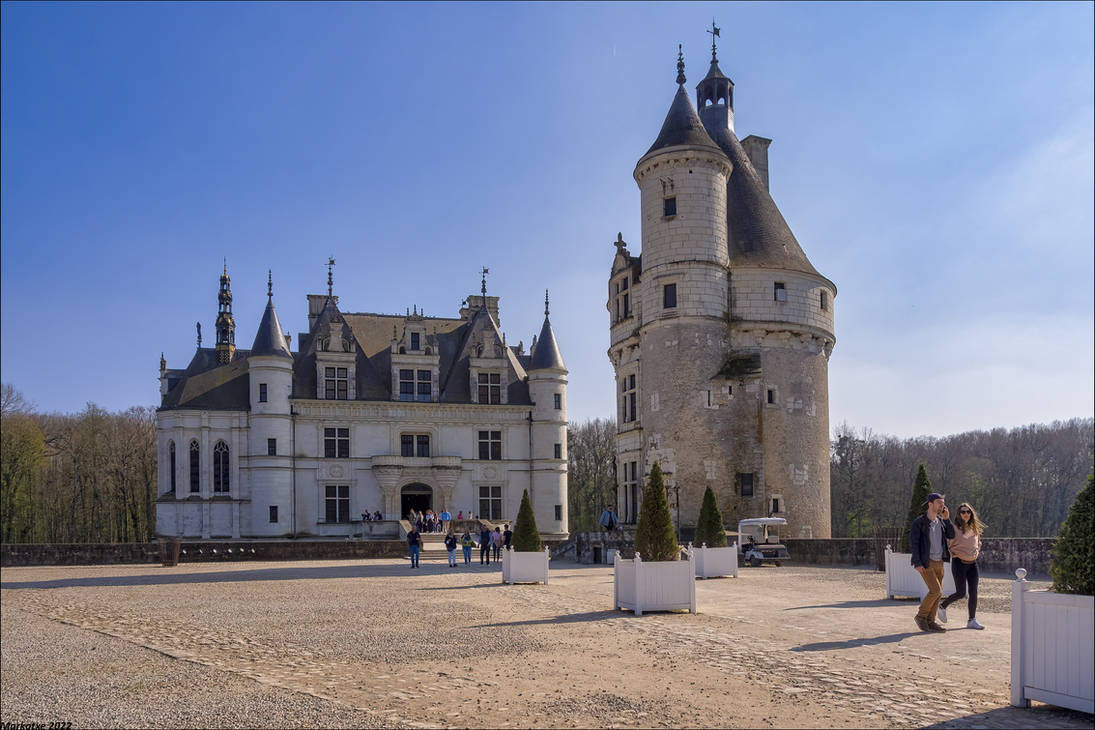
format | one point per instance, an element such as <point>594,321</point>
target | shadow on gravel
<point>566,618</point>
<point>850,604</point>
<point>1039,716</point>
<point>235,576</point>
<point>853,643</point>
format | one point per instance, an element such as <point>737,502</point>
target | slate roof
<point>758,234</point>
<point>209,385</point>
<point>270,338</point>
<point>682,126</point>
<point>546,355</point>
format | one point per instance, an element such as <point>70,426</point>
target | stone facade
<point>720,331</point>
<point>372,413</point>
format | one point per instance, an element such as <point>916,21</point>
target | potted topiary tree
<point>713,557</point>
<point>1051,631</point>
<point>526,561</point>
<point>901,578</point>
<point>656,579</point>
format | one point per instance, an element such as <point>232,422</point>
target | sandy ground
<point>374,644</point>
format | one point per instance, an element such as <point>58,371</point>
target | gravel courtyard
<point>375,644</point>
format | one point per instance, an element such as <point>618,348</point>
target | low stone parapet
<point>12,555</point>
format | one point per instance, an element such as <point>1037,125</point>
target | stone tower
<point>547,384</point>
<point>721,330</point>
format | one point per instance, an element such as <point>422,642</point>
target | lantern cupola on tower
<point>715,94</point>
<point>226,324</point>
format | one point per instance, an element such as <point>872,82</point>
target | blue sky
<point>934,160</point>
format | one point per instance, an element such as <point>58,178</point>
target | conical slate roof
<point>758,235</point>
<point>270,340</point>
<point>546,356</point>
<point>682,126</point>
<point>715,72</point>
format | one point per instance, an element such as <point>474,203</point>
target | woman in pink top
<point>965,548</point>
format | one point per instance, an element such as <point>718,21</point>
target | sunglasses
<point>964,512</point>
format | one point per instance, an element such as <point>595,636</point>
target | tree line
<point>91,476</point>
<point>1021,481</point>
<point>86,477</point>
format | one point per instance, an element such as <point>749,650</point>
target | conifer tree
<point>921,489</point>
<point>1073,564</point>
<point>526,536</point>
<point>709,527</point>
<point>654,536</point>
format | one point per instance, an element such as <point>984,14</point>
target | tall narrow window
<point>337,503</point>
<point>824,301</point>
<point>627,398</point>
<point>490,503</point>
<point>669,207</point>
<point>336,443</point>
<point>262,392</point>
<point>558,451</point>
<point>336,383</point>
<point>416,341</point>
<point>779,291</point>
<point>558,401</point>
<point>220,468</point>
<point>490,445</point>
<point>424,386</point>
<point>195,467</point>
<point>406,385</point>
<point>745,485</point>
<point>171,458</point>
<point>771,396</point>
<point>490,388</point>
<point>271,447</point>
<point>406,444</point>
<point>669,296</point>
<point>558,512</point>
<point>273,514</point>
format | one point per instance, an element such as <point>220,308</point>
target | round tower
<point>684,302</point>
<point>270,371</point>
<point>547,383</point>
<point>776,377</point>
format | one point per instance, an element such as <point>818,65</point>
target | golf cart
<point>758,541</point>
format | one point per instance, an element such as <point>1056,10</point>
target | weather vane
<point>485,272</point>
<point>714,34</point>
<point>330,276</point>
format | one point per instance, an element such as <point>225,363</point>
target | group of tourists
<point>487,540</point>
<point>933,540</point>
<point>372,516</point>
<point>428,521</point>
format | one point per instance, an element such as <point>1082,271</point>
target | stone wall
<point>190,552</point>
<point>1000,555</point>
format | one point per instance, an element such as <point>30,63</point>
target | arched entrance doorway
<point>415,496</point>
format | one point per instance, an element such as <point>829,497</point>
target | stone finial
<point>546,308</point>
<point>269,284</point>
<point>330,276</point>
<point>163,363</point>
<point>199,325</point>
<point>619,243</point>
<point>680,65</point>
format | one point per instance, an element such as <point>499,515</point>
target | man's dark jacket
<point>920,540</point>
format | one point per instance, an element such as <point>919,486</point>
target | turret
<point>547,382</point>
<point>270,370</point>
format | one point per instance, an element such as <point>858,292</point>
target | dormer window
<point>416,341</point>
<point>335,383</point>
<point>415,385</point>
<point>490,388</point>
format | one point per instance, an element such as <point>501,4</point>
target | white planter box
<point>655,586</point>
<point>903,580</point>
<point>1051,639</point>
<point>525,567</point>
<point>712,562</point>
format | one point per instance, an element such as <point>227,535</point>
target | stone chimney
<point>757,149</point>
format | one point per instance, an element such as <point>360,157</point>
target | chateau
<point>721,330</point>
<point>373,412</point>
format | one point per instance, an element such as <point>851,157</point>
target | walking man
<point>928,537</point>
<point>507,537</point>
<point>414,544</point>
<point>450,545</point>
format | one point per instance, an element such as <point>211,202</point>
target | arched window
<point>171,461</point>
<point>220,467</point>
<point>195,467</point>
